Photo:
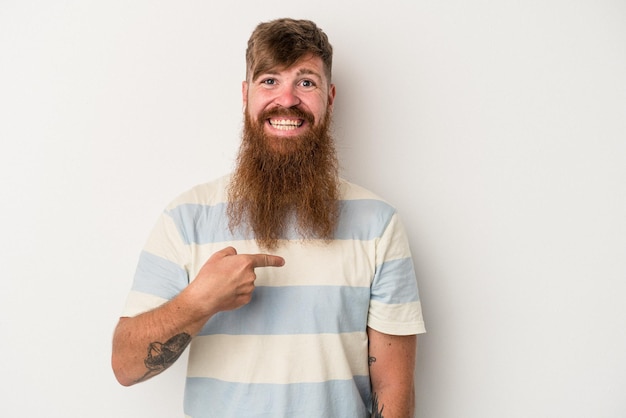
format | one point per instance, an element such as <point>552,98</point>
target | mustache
<point>287,112</point>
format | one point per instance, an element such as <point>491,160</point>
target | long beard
<point>280,183</point>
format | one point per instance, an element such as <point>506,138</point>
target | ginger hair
<point>281,43</point>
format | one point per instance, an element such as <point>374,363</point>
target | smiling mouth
<point>286,124</point>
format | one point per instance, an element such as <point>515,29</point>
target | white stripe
<point>279,359</point>
<point>407,318</point>
<point>167,249</point>
<point>215,192</point>
<point>313,263</point>
<point>393,247</point>
<point>351,191</point>
<point>211,193</point>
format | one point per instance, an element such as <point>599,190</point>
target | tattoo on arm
<point>376,413</point>
<point>163,355</point>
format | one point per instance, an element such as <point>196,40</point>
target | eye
<point>268,81</point>
<point>307,83</point>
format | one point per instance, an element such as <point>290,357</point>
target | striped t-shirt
<point>299,348</point>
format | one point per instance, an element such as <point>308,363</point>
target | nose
<point>287,97</point>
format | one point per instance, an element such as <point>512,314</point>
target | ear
<point>331,96</point>
<point>244,94</point>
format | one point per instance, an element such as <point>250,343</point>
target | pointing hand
<point>226,281</point>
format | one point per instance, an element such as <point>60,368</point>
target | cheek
<point>256,106</point>
<point>319,111</point>
<point>320,104</point>
<point>253,111</point>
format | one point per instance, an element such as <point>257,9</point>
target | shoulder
<point>363,199</point>
<point>206,194</point>
<point>351,191</point>
<point>363,211</point>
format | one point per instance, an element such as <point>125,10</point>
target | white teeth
<point>285,124</point>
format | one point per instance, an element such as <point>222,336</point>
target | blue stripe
<point>201,224</point>
<point>395,282</point>
<point>295,310</point>
<point>363,219</point>
<point>158,276</point>
<point>208,398</point>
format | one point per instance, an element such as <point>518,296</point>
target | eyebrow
<point>308,71</point>
<point>301,71</point>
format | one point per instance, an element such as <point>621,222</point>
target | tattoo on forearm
<point>376,413</point>
<point>163,355</point>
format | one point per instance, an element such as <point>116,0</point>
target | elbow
<point>124,382</point>
<point>121,369</point>
<point>120,360</point>
<point>118,370</point>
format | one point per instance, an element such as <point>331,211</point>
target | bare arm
<point>392,362</point>
<point>146,345</point>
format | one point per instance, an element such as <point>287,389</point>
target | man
<point>294,288</point>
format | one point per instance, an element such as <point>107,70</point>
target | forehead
<point>308,65</point>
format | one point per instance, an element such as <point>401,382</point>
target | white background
<point>496,128</point>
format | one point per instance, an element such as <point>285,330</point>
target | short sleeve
<point>395,306</point>
<point>161,270</point>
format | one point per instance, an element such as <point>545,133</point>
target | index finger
<point>266,260</point>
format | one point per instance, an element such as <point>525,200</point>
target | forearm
<point>393,402</point>
<point>392,362</point>
<point>146,345</point>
